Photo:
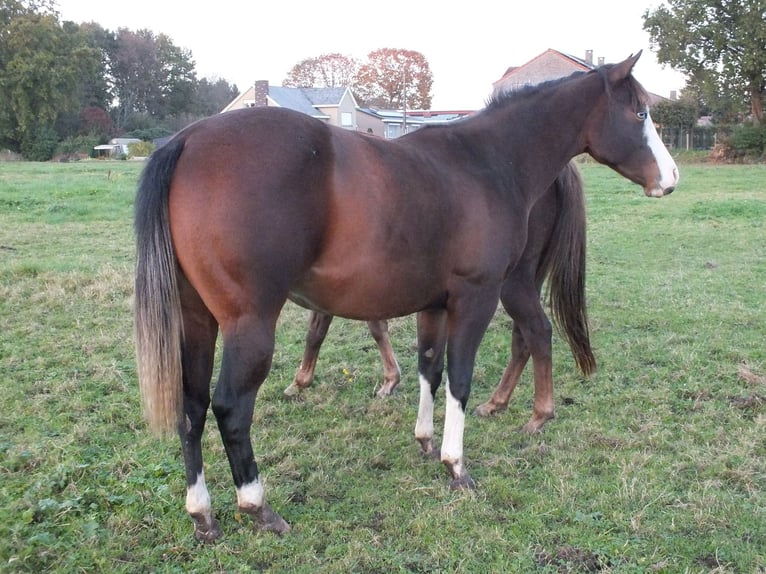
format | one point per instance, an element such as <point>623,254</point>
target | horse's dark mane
<point>639,95</point>
<point>501,98</point>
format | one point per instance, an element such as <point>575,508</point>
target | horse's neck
<point>543,133</point>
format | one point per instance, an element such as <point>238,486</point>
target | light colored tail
<point>157,308</point>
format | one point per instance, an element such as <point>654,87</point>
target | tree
<point>719,44</point>
<point>212,95</point>
<point>41,66</point>
<point>150,75</point>
<point>394,79</point>
<point>90,91</point>
<point>680,114</point>
<point>176,80</point>
<point>325,71</point>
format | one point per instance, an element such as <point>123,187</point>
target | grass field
<point>657,463</point>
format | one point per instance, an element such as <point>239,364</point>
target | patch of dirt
<point>750,377</point>
<point>569,559</point>
<point>750,402</point>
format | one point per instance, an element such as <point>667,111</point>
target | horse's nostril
<point>668,190</point>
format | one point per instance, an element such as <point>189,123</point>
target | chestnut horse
<point>555,251</point>
<point>241,211</point>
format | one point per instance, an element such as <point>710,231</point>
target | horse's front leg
<point>467,323</point>
<point>391,372</point>
<point>319,323</point>
<point>432,331</point>
<point>246,361</point>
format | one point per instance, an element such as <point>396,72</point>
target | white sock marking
<point>198,498</point>
<point>424,427</point>
<point>454,424</point>
<point>250,495</point>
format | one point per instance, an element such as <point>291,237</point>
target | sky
<point>468,45</point>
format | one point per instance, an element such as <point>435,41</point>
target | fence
<point>679,138</point>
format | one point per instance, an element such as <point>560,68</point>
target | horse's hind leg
<point>499,400</point>
<point>200,332</point>
<point>522,302</point>
<point>247,355</point>
<point>391,372</point>
<point>319,323</point>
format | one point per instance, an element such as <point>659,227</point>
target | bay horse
<point>246,209</point>
<point>556,251</point>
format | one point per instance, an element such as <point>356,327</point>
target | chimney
<point>261,93</point>
<point>601,60</point>
<point>589,57</point>
<point>673,95</point>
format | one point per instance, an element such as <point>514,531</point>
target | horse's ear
<point>623,69</point>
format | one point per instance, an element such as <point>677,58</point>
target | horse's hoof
<point>429,450</point>
<point>294,392</point>
<point>268,520</point>
<point>488,409</point>
<point>535,424</point>
<point>463,483</point>
<point>388,387</point>
<point>385,391</point>
<point>206,531</point>
<point>531,428</point>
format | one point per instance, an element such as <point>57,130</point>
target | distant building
<point>115,148</point>
<point>336,106</point>
<point>549,65</point>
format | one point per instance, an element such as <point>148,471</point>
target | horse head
<point>622,135</point>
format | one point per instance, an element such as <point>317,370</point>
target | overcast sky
<point>468,45</point>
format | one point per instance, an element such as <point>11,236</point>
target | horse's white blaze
<point>250,495</point>
<point>454,424</point>
<point>198,498</point>
<point>424,427</point>
<point>665,163</point>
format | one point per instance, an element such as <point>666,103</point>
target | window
<point>346,119</point>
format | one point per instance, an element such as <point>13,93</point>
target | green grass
<point>657,463</point>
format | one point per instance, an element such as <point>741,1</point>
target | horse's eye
<point>642,115</point>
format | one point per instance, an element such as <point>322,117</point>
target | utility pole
<point>404,104</point>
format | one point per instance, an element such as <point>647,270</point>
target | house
<point>549,65</point>
<point>336,106</point>
<point>115,148</point>
<point>390,124</point>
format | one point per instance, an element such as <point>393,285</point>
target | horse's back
<point>248,199</point>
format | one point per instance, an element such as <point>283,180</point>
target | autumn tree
<point>721,46</point>
<point>325,71</point>
<point>394,79</point>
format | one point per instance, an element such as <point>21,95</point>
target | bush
<point>743,143</point>
<point>78,145</point>
<point>40,144</point>
<point>749,141</point>
<point>140,149</point>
